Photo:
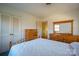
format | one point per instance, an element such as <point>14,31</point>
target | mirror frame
<point>60,22</point>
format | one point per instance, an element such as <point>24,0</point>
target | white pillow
<point>75,48</point>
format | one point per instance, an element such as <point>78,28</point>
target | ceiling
<point>41,9</point>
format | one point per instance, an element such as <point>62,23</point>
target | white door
<point>16,30</point>
<point>5,29</point>
<point>0,33</point>
<point>10,31</point>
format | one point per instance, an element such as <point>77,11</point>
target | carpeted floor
<point>4,53</point>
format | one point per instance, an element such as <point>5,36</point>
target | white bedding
<point>41,47</point>
<point>75,47</point>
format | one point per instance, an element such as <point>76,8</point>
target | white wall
<point>27,22</point>
<point>64,16</point>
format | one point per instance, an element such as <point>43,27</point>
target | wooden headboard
<point>30,34</point>
<point>67,38</point>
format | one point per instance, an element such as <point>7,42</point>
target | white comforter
<point>41,47</point>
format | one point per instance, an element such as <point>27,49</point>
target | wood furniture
<point>77,38</point>
<point>30,34</point>
<point>67,38</point>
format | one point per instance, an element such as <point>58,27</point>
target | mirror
<point>63,27</point>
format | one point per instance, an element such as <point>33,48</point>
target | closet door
<point>0,33</point>
<point>16,30</point>
<point>5,29</point>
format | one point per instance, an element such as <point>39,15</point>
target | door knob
<point>11,34</point>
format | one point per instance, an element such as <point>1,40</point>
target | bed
<point>41,47</point>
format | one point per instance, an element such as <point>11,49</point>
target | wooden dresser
<point>30,34</point>
<point>67,38</point>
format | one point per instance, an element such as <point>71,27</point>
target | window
<point>57,27</point>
